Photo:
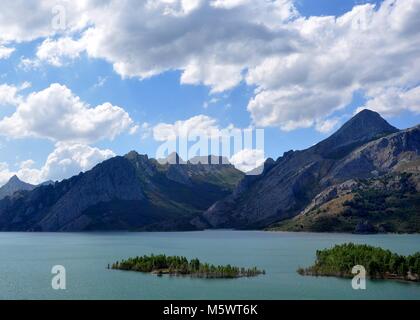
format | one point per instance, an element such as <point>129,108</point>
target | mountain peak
<point>14,179</point>
<point>369,118</point>
<point>13,185</point>
<point>365,126</point>
<point>173,158</point>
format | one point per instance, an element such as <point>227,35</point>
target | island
<point>379,263</point>
<point>181,266</point>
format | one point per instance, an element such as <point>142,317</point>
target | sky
<point>83,81</point>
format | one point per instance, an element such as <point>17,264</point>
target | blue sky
<point>295,111</point>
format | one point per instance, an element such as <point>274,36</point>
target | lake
<point>26,260</point>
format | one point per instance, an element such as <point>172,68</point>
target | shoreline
<point>166,272</point>
<point>392,277</point>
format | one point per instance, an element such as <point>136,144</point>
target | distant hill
<point>363,148</point>
<point>14,185</point>
<point>123,193</point>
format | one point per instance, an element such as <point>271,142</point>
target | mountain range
<point>363,178</point>
<point>123,193</point>
<point>366,147</point>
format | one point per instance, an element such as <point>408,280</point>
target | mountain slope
<point>122,193</point>
<point>287,186</point>
<point>389,203</point>
<point>363,127</point>
<point>14,185</point>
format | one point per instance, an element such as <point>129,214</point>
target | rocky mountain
<point>390,203</point>
<point>365,147</point>
<point>123,193</point>
<point>14,185</point>
<point>363,178</point>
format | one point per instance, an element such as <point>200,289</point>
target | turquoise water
<point>26,260</point>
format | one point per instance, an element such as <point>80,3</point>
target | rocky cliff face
<point>122,193</point>
<point>366,146</point>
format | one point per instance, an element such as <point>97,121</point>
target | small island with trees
<point>181,266</point>
<point>379,263</point>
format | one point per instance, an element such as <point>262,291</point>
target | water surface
<point>26,260</point>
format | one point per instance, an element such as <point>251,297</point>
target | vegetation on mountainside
<point>389,204</point>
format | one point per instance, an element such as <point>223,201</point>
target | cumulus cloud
<point>55,52</point>
<point>27,20</point>
<point>211,44</point>
<point>368,48</point>
<point>57,114</point>
<point>247,160</point>
<point>9,94</point>
<point>197,125</point>
<point>295,107</point>
<point>65,161</point>
<point>200,125</point>
<point>304,69</point>
<point>391,101</point>
<point>5,52</point>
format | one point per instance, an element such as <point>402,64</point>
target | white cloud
<point>295,107</point>
<point>65,161</point>
<point>219,77</point>
<point>213,100</point>
<point>55,52</point>
<point>391,101</point>
<point>56,113</point>
<point>100,82</point>
<point>5,52</point>
<point>5,173</point>
<point>248,159</point>
<point>27,20</point>
<point>27,64</point>
<point>9,94</point>
<point>368,48</point>
<point>198,125</point>
<point>327,125</point>
<point>210,44</point>
<point>145,130</point>
<point>70,159</point>
<point>303,68</point>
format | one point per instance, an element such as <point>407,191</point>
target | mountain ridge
<point>122,193</point>
<point>289,184</point>
<point>135,192</point>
